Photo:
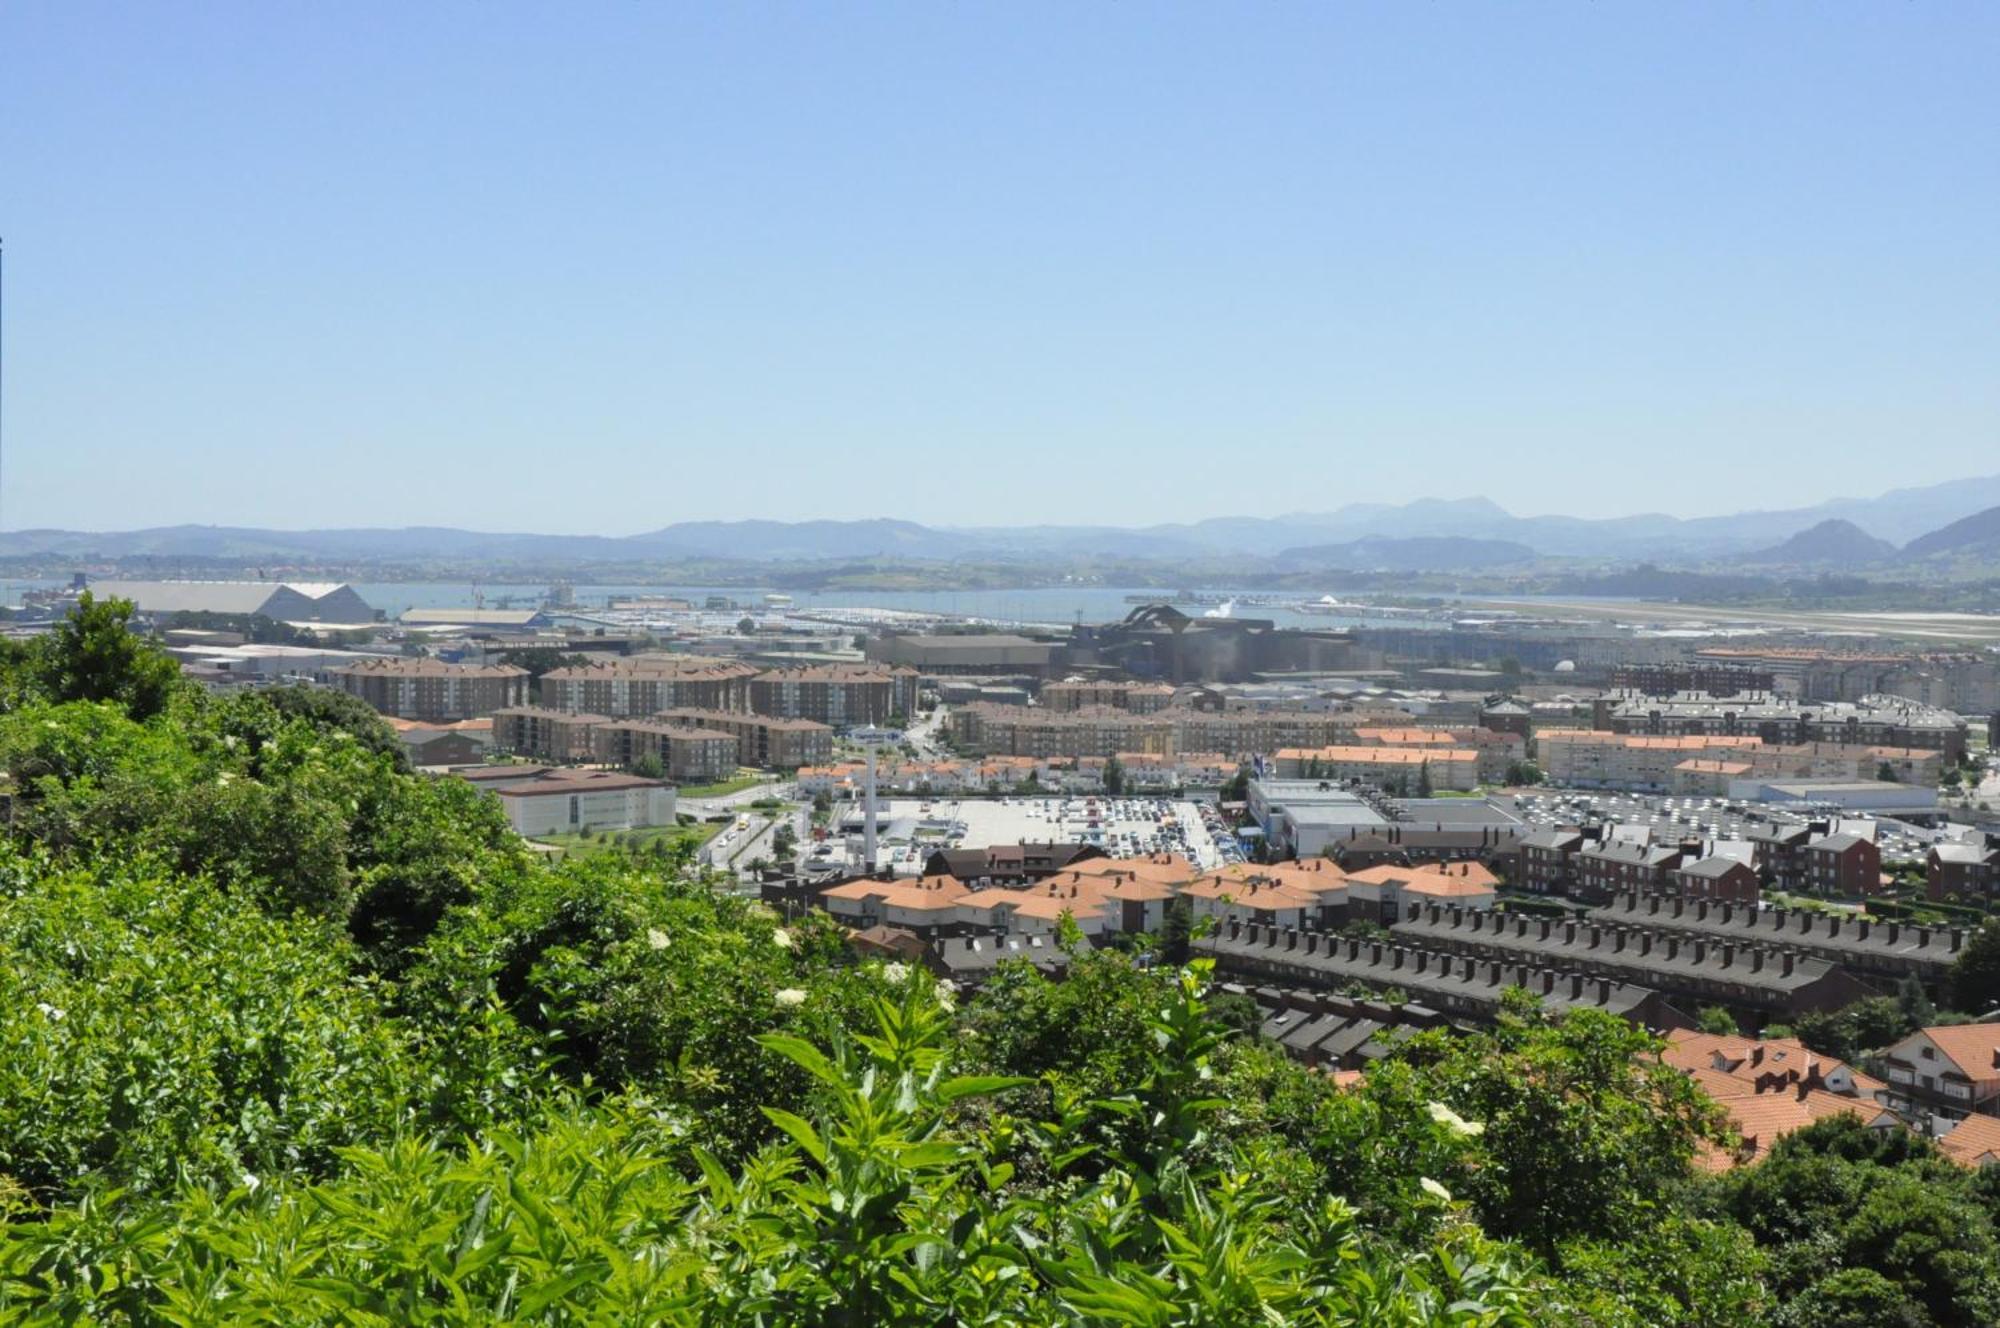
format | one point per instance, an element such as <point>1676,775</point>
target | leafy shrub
<point>154,1027</point>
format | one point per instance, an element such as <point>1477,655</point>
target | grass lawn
<point>604,841</point>
<point>744,779</point>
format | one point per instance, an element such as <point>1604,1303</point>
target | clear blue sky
<point>598,267</point>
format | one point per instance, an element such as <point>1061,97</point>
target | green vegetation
<point>675,841</point>
<point>291,1035</point>
<point>745,779</point>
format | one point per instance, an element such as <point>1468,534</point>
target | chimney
<point>1701,911</point>
<point>1673,947</point>
<point>1604,991</point>
<point>1576,986</point>
<point>1957,939</point>
<point>1895,930</point>
<point>1548,981</point>
<point>1728,955</point>
<point>1861,929</point>
<point>1493,973</point>
<point>1923,936</point>
<point>1645,943</point>
<point>1757,961</point>
<point>1788,963</point>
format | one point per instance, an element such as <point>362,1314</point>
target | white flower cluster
<point>1456,1123</point>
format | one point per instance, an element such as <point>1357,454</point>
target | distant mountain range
<point>1959,519</point>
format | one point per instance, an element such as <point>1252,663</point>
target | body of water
<point>1058,605</point>
<point>1063,605</point>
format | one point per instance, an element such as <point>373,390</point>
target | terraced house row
<point>1760,974</point>
<point>1458,985</point>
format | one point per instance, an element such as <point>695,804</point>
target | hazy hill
<point>1977,535</point>
<point>1831,543</point>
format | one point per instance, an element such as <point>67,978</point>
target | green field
<point>744,779</point>
<point>604,841</point>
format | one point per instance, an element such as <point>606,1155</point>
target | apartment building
<point>1599,758</point>
<point>1875,720</point>
<point>1545,859</point>
<point>1096,730</point>
<point>768,741</point>
<point>1450,768</point>
<point>1714,678</point>
<point>693,755</point>
<point>546,734</point>
<point>637,686</point>
<point>1965,869</point>
<point>840,695</point>
<point>432,690</point>
<point>1708,765</point>
<point>1716,877</point>
<point>1846,865</point>
<point>1616,866</point>
<point>1141,698</point>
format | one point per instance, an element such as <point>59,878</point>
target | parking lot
<point>1691,817</point>
<point>911,829</point>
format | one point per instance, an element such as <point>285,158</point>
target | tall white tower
<point>871,738</point>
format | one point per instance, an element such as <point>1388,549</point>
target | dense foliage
<point>291,1035</point>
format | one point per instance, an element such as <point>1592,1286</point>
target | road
<point>922,735</point>
<point>757,841</point>
<point>729,802</point>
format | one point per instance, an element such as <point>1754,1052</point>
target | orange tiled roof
<point>929,894</point>
<point>1971,1047</point>
<point>1972,1141</point>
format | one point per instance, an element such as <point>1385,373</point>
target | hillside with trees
<point>290,1035</point>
